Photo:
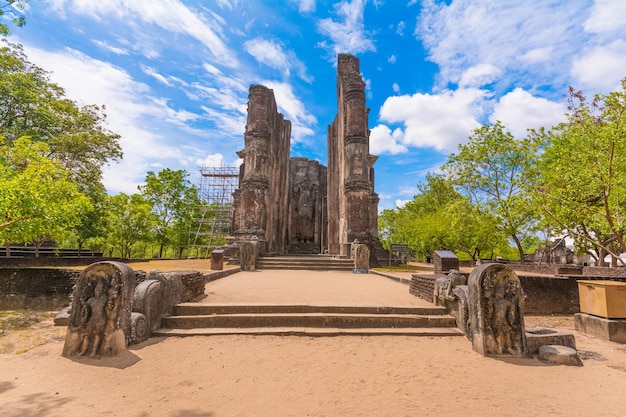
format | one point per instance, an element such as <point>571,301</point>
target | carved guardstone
<point>100,317</point>
<point>361,259</point>
<point>495,304</point>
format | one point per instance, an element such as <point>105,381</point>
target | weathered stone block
<point>100,318</point>
<point>496,311</point>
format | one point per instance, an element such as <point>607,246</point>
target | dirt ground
<point>305,376</point>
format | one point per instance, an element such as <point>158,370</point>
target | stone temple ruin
<point>295,205</point>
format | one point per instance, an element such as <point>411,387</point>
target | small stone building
<point>296,205</point>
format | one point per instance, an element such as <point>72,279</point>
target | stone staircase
<point>199,319</point>
<point>305,262</point>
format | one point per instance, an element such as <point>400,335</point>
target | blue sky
<point>174,75</point>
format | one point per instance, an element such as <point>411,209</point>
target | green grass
<point>402,268</point>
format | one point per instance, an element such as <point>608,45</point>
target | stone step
<point>311,331</point>
<point>205,309</point>
<point>309,320</point>
<point>319,263</point>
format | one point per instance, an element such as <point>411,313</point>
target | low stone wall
<point>36,288</point>
<point>51,288</point>
<point>599,271</point>
<point>423,286</point>
<point>544,295</point>
<point>30,261</point>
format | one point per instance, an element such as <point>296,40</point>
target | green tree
<point>37,198</point>
<point>11,8</point>
<point>130,221</point>
<point>441,218</point>
<point>583,173</point>
<point>496,171</point>
<point>173,199</point>
<point>31,105</point>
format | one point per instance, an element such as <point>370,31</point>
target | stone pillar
<point>262,199</point>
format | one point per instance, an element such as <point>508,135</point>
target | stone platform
<point>613,330</point>
<point>310,303</point>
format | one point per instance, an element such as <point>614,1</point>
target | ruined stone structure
<point>496,310</point>
<point>100,318</point>
<point>297,205</point>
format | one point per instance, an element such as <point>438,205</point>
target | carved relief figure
<point>496,302</point>
<point>93,320</point>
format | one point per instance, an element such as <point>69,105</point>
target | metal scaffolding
<point>214,216</point>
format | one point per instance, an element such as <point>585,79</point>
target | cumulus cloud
<point>440,121</point>
<point>467,33</point>
<point>606,15</point>
<point>601,69</point>
<point>479,75</point>
<point>519,110</point>
<point>273,55</point>
<point>383,140</point>
<point>211,160</point>
<point>347,34</point>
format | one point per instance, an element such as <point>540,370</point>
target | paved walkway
<point>301,287</point>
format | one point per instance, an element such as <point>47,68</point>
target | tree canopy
<point>582,181</point>
<point>37,197</point>
<point>11,9</point>
<point>496,172</point>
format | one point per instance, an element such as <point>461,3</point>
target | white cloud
<point>383,140</point>
<point>401,203</point>
<point>601,69</point>
<point>110,48</point>
<point>130,107</point>
<point>293,109</point>
<point>154,74</point>
<point>211,160</point>
<point>171,15</point>
<point>392,59</point>
<point>519,111</point>
<point>395,87</point>
<point>347,34</point>
<point>400,28</point>
<point>467,33</point>
<point>272,54</point>
<point>439,121</point>
<point>306,6</point>
<point>479,75</point>
<point>606,15</point>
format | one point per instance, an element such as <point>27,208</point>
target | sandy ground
<point>304,376</point>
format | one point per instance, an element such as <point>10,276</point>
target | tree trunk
<point>161,251</point>
<point>520,249</point>
<point>7,248</point>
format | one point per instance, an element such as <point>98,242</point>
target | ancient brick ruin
<point>296,205</point>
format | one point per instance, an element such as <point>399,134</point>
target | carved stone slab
<point>496,302</point>
<point>361,259</point>
<point>100,315</point>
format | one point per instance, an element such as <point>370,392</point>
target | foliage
<point>583,173</point>
<point>130,221</point>
<point>11,9</point>
<point>31,105</point>
<point>37,198</point>
<point>441,218</point>
<point>495,171</point>
<point>173,200</point>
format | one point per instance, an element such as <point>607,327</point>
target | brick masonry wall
<point>423,286</point>
<point>36,288</point>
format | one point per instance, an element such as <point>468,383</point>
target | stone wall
<point>36,288</point>
<point>51,288</point>
<point>544,295</point>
